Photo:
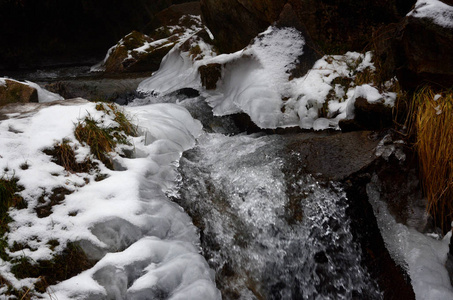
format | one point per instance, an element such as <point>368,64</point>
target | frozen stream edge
<point>164,261</point>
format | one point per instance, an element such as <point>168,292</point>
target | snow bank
<point>154,242</point>
<point>435,10</point>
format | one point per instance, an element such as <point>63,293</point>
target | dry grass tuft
<point>434,124</point>
<point>63,154</point>
<point>99,139</point>
<point>125,125</point>
<point>366,76</point>
<point>103,140</point>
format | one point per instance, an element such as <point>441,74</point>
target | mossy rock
<point>16,92</point>
<point>124,58</point>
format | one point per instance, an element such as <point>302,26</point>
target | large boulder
<point>428,53</point>
<point>12,91</point>
<point>136,53</point>
<point>235,23</point>
<point>336,25</point>
<point>419,48</point>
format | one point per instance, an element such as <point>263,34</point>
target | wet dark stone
<point>210,74</point>
<point>392,279</point>
<point>368,116</point>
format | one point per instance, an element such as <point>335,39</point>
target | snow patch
<point>435,10</point>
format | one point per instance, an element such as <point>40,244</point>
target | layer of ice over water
<point>145,244</point>
<point>237,188</point>
<point>256,80</point>
<point>421,255</point>
<point>435,10</point>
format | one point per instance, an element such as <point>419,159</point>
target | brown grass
<point>99,139</point>
<point>63,154</point>
<point>434,124</point>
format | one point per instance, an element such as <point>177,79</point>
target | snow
<point>435,10</point>
<point>127,213</point>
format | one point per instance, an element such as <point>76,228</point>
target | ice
<point>437,11</point>
<point>421,255</point>
<point>43,94</point>
<point>150,268</point>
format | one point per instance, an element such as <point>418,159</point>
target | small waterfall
<point>268,233</point>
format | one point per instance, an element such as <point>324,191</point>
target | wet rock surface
<point>120,90</point>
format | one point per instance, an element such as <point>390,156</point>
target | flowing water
<point>268,231</point>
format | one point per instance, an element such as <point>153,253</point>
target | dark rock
<point>121,90</point>
<point>185,93</point>
<point>235,23</point>
<point>368,116</point>
<point>16,92</point>
<point>320,154</point>
<point>210,74</point>
<point>392,279</point>
<point>428,54</point>
<point>171,16</point>
<point>416,50</point>
<point>289,18</point>
<point>338,26</point>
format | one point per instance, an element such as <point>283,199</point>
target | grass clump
<point>103,140</point>
<point>434,125</point>
<point>124,123</point>
<point>99,139</point>
<point>63,154</point>
<point>9,197</point>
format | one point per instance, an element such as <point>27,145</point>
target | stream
<point>267,228</point>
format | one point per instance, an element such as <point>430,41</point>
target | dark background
<point>45,33</point>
